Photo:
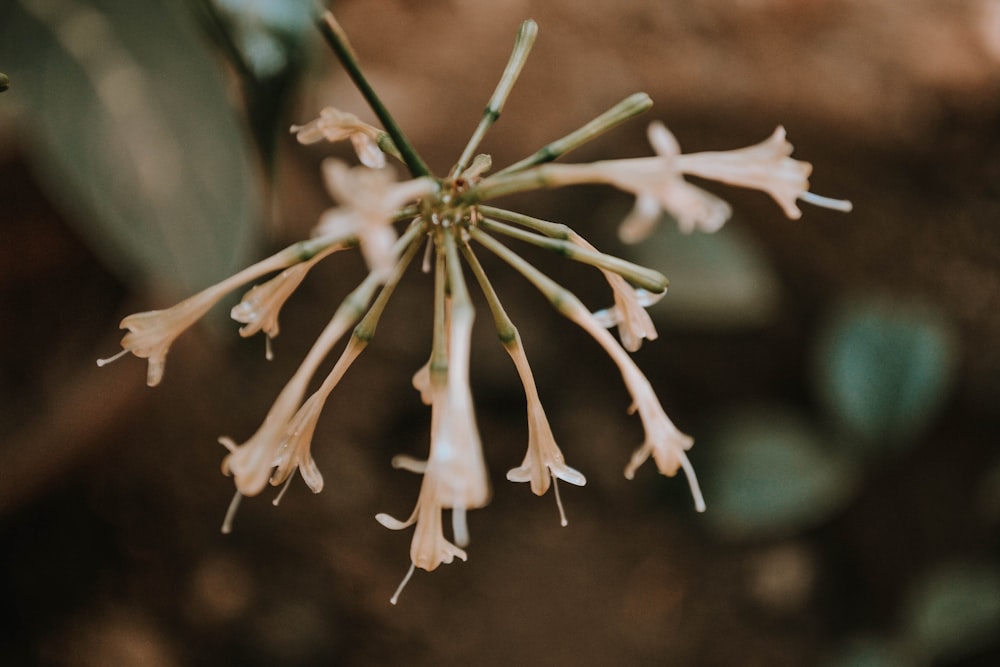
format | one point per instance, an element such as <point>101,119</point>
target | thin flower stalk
<point>341,46</point>
<point>629,310</point>
<point>522,47</point>
<point>639,275</point>
<point>628,108</point>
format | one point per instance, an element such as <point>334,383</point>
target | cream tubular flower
<point>659,186</point>
<point>251,463</point>
<point>767,166</point>
<point>543,462</point>
<point>663,441</point>
<point>429,548</point>
<point>370,199</point>
<point>336,125</point>
<point>629,311</point>
<point>456,451</point>
<point>151,333</point>
<point>259,309</point>
<point>295,451</point>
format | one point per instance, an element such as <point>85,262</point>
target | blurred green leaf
<point>717,281</point>
<point>883,369</point>
<point>267,33</point>
<point>954,611</point>
<point>772,475</point>
<point>131,131</point>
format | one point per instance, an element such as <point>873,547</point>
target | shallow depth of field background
<point>840,374</point>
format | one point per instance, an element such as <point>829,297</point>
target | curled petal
<point>335,125</point>
<point>295,450</point>
<point>392,523</point>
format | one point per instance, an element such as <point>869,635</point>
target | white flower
<point>295,449</point>
<point>659,185</point>
<point>629,312</point>
<point>370,198</point>
<point>543,462</point>
<point>663,441</point>
<point>429,547</point>
<point>336,125</point>
<point>260,306</point>
<point>767,166</point>
<point>151,333</point>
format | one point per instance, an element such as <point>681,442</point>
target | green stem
<point>561,298</point>
<point>522,47</point>
<point>534,178</point>
<point>337,39</point>
<point>648,279</point>
<point>504,326</point>
<point>631,106</point>
<point>365,330</point>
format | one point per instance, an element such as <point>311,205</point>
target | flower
<point>336,125</point>
<point>455,474</point>
<point>251,463</point>
<point>664,441</point>
<point>429,548</point>
<point>629,313</point>
<point>294,451</point>
<point>151,333</point>
<point>543,462</point>
<point>370,199</point>
<point>659,185</point>
<point>260,306</point>
<point>766,166</point>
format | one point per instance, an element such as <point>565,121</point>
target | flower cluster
<point>450,218</point>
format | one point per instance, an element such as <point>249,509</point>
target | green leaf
<point>717,281</point>
<point>772,475</point>
<point>132,133</point>
<point>267,33</point>
<point>954,611</point>
<point>884,368</point>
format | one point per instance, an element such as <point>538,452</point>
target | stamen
<point>105,362</point>
<point>406,579</point>
<point>227,523</point>
<point>459,526</point>
<point>562,513</point>
<point>843,205</point>
<point>699,500</point>
<point>268,351</point>
<point>284,487</point>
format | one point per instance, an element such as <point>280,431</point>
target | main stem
<point>337,39</point>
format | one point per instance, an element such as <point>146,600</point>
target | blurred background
<point>840,373</point>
